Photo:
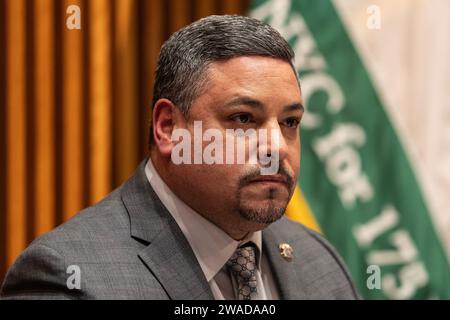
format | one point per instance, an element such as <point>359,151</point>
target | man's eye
<point>292,123</point>
<point>242,118</point>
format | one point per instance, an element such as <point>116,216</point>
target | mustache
<point>256,172</point>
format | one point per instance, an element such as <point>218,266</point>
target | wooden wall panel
<point>73,133</point>
<point>100,110</point>
<point>75,104</point>
<point>2,138</point>
<point>125,93</point>
<point>152,36</point>
<point>203,8</point>
<point>16,176</point>
<point>43,159</point>
<point>180,11</point>
<point>231,6</point>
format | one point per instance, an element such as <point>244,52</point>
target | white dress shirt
<point>211,245</point>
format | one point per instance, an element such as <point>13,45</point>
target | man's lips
<point>282,177</point>
<point>271,179</point>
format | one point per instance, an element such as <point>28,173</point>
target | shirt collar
<point>210,244</point>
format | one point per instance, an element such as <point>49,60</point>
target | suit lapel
<point>168,254</point>
<point>172,261</point>
<point>289,282</point>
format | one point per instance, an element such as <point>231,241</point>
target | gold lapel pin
<point>286,251</point>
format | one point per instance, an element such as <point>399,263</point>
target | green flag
<point>355,173</point>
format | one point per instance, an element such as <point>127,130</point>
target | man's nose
<point>271,142</point>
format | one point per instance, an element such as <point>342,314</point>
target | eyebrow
<point>294,106</point>
<point>256,104</point>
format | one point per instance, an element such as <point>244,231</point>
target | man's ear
<point>165,117</point>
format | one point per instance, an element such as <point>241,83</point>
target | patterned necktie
<point>242,264</point>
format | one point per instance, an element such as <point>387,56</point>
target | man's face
<point>244,93</point>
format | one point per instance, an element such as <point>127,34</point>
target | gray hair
<point>185,56</point>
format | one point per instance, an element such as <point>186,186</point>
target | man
<point>206,228</point>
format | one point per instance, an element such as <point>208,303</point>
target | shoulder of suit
<point>107,218</point>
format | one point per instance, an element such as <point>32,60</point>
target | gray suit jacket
<point>128,246</point>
